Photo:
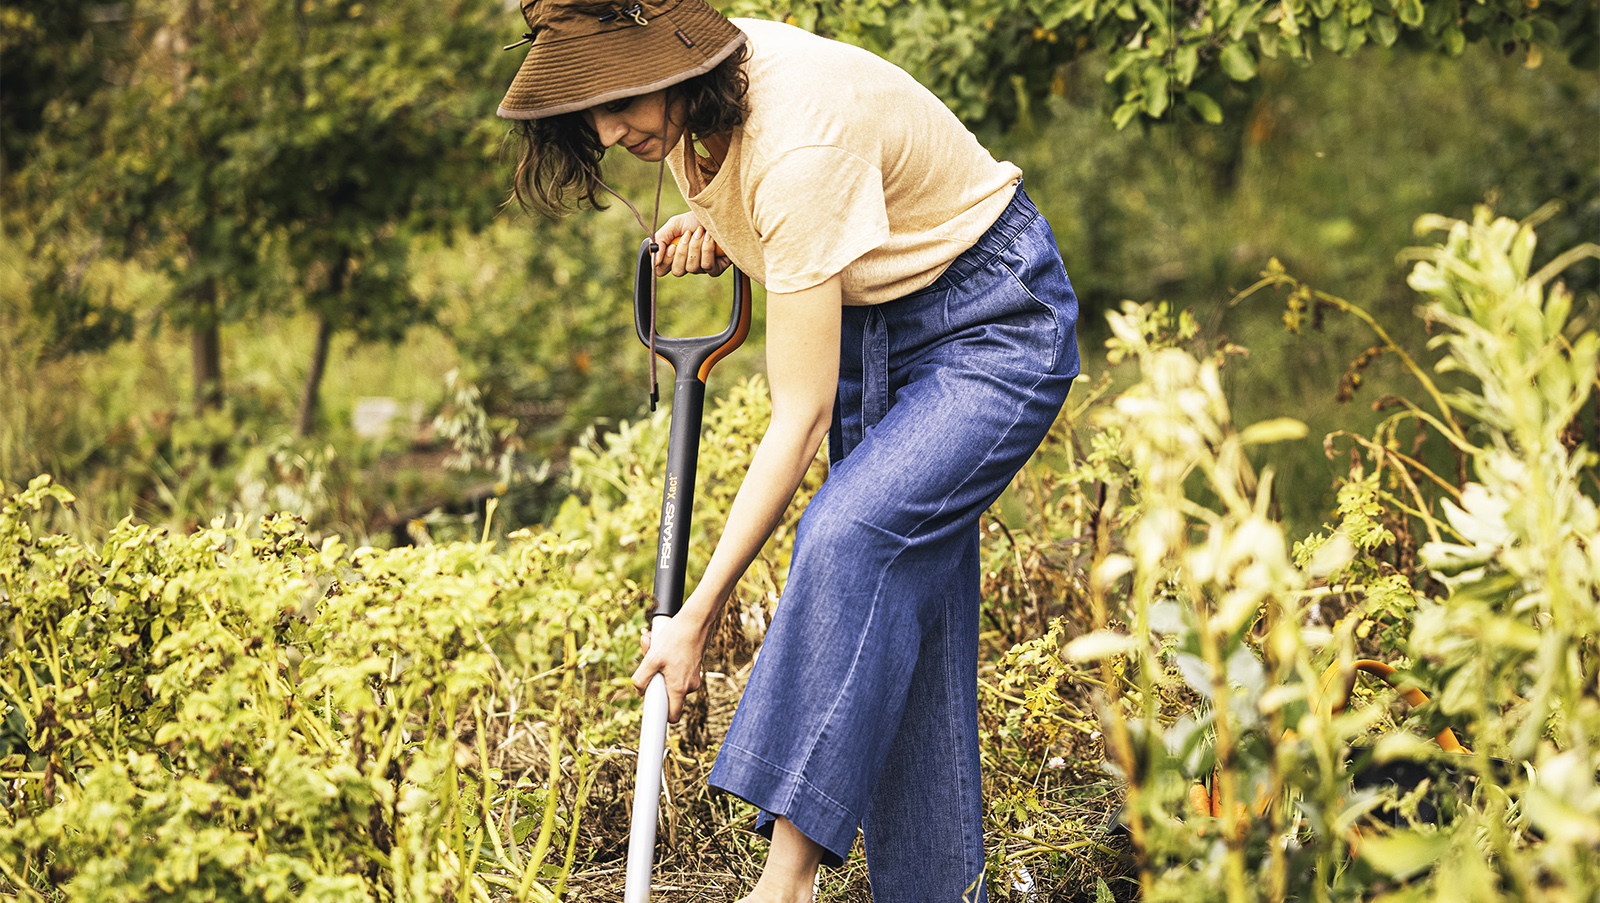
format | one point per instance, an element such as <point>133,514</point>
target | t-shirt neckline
<point>691,166</point>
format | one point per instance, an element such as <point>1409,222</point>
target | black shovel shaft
<point>677,497</point>
<point>691,359</point>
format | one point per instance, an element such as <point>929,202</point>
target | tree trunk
<point>307,421</point>
<point>206,351</point>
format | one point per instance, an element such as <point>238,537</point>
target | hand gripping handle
<point>692,356</point>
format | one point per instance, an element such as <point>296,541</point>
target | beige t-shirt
<point>845,165</point>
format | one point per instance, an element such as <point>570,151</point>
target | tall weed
<point>1260,793</point>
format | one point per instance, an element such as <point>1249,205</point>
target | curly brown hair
<point>558,157</point>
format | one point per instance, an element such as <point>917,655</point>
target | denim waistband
<point>1016,217</point>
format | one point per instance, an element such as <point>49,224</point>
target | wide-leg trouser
<point>862,706</point>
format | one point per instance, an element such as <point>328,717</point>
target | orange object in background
<point>1413,696</point>
<point>1205,799</point>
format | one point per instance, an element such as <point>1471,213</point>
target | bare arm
<point>803,373</point>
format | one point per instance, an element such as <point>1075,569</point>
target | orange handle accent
<point>1413,696</point>
<point>739,335</point>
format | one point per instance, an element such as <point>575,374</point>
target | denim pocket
<point>1003,314</point>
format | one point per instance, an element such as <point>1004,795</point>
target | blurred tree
<point>384,133</point>
<point>278,153</point>
<point>49,50</point>
<point>54,55</point>
<point>992,59</point>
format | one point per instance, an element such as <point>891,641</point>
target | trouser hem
<point>779,791</point>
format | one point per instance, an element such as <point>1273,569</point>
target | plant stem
<point>487,794</point>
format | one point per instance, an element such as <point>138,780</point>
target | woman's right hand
<point>673,647</point>
<point>686,247</point>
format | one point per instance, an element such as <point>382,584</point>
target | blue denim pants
<point>862,708</point>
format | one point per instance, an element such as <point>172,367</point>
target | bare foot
<point>756,896</point>
<point>790,875</point>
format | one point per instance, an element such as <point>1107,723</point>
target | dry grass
<point>707,853</point>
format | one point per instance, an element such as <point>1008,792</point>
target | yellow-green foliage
<point>221,716</point>
<point>1503,634</point>
<point>248,712</point>
<point>241,713</point>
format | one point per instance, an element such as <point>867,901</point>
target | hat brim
<point>564,76</point>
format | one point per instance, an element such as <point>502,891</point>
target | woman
<point>918,315</point>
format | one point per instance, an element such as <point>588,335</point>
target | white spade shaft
<point>647,791</point>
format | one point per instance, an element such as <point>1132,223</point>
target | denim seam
<point>855,660</point>
<point>798,777</point>
<point>874,371</point>
<point>958,761</point>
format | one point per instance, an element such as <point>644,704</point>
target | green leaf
<point>1404,853</point>
<point>1245,21</point>
<point>1238,62</point>
<point>1464,690</point>
<point>1205,106</point>
<point>1155,91</point>
<point>525,826</point>
<point>1188,61</point>
<point>1125,113</point>
<point>1335,32</point>
<point>1547,32</point>
<point>1154,14</point>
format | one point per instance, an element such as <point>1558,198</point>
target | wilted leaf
<point>1098,645</point>
<point>1278,429</point>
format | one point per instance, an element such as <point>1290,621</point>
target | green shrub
<point>248,714</point>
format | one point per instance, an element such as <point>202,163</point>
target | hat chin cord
<point>650,232</point>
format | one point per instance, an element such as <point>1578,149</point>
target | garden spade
<point>691,360</point>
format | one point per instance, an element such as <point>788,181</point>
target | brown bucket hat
<point>589,53</point>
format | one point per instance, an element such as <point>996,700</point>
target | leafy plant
<point>244,712</point>
<point>991,60</point>
<point>1507,646</point>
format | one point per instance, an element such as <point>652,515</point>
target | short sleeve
<point>817,209</point>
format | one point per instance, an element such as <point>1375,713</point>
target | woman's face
<point>640,124</point>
